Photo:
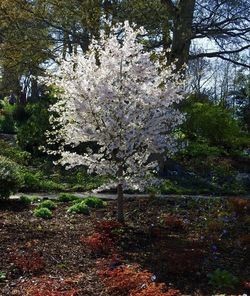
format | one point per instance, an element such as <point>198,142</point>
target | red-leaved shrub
<point>124,279</point>
<point>101,242</point>
<point>28,261</point>
<point>98,243</point>
<point>130,280</point>
<point>108,227</point>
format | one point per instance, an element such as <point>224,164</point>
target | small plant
<point>43,213</point>
<point>94,202</point>
<point>28,262</point>
<point>67,197</point>
<point>76,201</point>
<point>25,200</point>
<point>222,279</point>
<point>48,204</point>
<point>2,276</point>
<point>98,243</point>
<point>80,208</point>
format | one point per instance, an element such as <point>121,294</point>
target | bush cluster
<point>79,208</point>
<point>14,153</point>
<point>25,200</point>
<point>10,177</point>
<point>43,213</point>
<point>48,204</point>
<point>35,181</point>
<point>94,202</point>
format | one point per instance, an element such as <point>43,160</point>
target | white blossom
<point>121,99</point>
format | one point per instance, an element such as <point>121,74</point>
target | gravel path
<point>111,196</point>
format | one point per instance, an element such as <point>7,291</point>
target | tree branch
<point>218,53</point>
<point>235,62</point>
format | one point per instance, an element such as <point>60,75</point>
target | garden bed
<point>180,242</point>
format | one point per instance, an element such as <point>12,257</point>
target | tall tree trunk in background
<point>34,90</point>
<point>182,15</point>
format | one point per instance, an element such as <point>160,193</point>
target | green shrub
<point>31,133</point>
<point>26,200</point>
<point>43,213</point>
<point>49,204</point>
<point>48,185</point>
<point>31,180</point>
<point>34,181</point>
<point>222,279</point>
<point>94,202</point>
<point>14,153</point>
<point>200,149</point>
<point>7,124</point>
<point>80,208</point>
<point>10,177</point>
<point>169,187</point>
<point>212,123</point>
<point>67,197</point>
<point>76,201</point>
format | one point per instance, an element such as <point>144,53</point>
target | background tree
<point>222,25</point>
<point>25,44</point>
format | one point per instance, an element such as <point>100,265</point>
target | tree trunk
<point>182,15</point>
<point>120,201</point>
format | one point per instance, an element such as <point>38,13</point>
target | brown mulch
<point>176,241</point>
<point>57,239</point>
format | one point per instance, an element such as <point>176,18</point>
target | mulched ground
<point>179,240</point>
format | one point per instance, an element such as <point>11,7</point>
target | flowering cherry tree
<point>121,99</point>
